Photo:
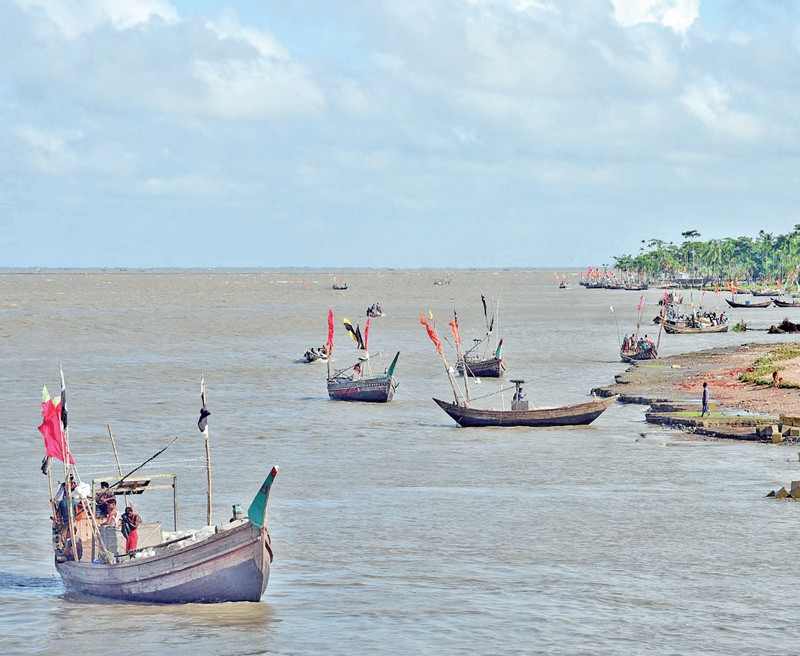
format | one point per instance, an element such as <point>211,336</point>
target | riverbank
<point>672,387</point>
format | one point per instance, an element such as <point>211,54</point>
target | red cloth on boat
<point>132,540</point>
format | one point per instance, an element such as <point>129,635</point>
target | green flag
<point>258,509</point>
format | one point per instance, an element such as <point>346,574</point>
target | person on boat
<point>705,410</point>
<point>130,525</point>
<point>519,395</point>
<point>102,498</point>
<point>111,513</point>
<point>67,552</point>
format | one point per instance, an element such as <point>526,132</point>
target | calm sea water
<point>394,530</point>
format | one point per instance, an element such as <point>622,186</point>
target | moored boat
<point>786,304</point>
<point>572,415</point>
<point>748,304</point>
<point>680,328</point>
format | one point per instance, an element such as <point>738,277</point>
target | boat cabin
<point>110,538</point>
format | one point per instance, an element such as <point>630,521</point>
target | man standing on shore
<point>705,410</point>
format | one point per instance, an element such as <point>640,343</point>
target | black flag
<point>204,415</point>
<point>485,314</point>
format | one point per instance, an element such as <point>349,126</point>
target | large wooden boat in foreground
<point>226,562</point>
<point>231,565</point>
<point>571,415</point>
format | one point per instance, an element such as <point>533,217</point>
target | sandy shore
<point>681,378</point>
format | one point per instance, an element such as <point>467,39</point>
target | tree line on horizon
<point>746,259</point>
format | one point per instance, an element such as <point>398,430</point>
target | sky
<point>391,133</point>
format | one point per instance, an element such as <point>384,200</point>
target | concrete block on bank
<point>771,494</point>
<point>791,431</point>
<point>790,420</point>
<point>777,438</point>
<point>781,494</point>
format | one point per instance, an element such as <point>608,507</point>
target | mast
<point>67,466</point>
<point>203,425</point>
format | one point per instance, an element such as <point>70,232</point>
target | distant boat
<point>765,292</point>
<point>748,304</point>
<point>679,328</point>
<point>444,281</point>
<point>316,355</point>
<point>375,310</point>
<point>786,304</point>
<point>339,285</point>
<point>632,350</point>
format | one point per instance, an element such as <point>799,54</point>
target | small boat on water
<point>520,414</point>
<point>316,355</point>
<point>634,349</point>
<point>339,286</point>
<point>765,292</point>
<point>223,563</point>
<point>748,304</point>
<point>375,310</point>
<point>444,281</point>
<point>637,354</point>
<point>475,364</point>
<point>786,304</point>
<point>357,383</point>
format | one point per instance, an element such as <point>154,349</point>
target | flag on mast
<point>431,333</point>
<point>330,328</point>
<point>51,427</point>
<point>202,423</point>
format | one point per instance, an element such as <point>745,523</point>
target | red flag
<point>366,334</point>
<point>330,328</point>
<point>431,333</point>
<point>51,429</point>
<point>454,326</point>
<point>641,298</point>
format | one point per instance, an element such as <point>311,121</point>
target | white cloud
<point>78,17</point>
<point>678,15</point>
<point>251,89</point>
<point>710,102</point>
<point>229,27</point>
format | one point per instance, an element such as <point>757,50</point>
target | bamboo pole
<point>116,457</point>
<point>208,455</point>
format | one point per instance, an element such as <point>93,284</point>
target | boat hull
<point>489,368</point>
<point>231,566</point>
<point>573,415</point>
<point>785,304</point>
<point>638,356</point>
<point>761,304</point>
<point>379,389</point>
<point>676,329</point>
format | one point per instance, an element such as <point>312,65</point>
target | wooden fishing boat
<point>571,415</point>
<point>638,355</point>
<point>786,304</point>
<point>230,562</point>
<point>232,565</point>
<point>339,286</point>
<point>377,389</point>
<point>375,310</point>
<point>679,328</point>
<point>489,368</point>
<point>483,365</point>
<point>765,292</point>
<point>748,304</point>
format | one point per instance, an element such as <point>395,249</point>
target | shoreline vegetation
<point>740,263</point>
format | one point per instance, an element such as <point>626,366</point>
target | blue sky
<point>415,133</point>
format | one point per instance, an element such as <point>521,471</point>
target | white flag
<point>612,308</point>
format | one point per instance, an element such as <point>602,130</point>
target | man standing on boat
<point>705,410</point>
<point>130,524</point>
